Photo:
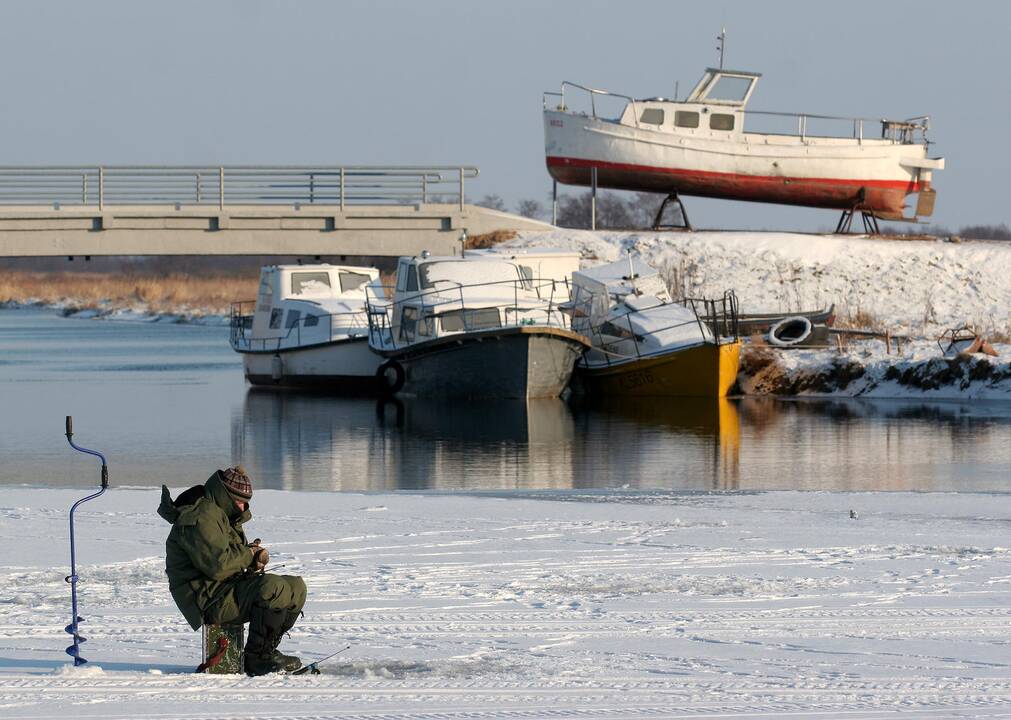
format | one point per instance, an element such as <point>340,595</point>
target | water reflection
<point>312,441</point>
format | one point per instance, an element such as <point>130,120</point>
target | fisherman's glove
<point>260,556</point>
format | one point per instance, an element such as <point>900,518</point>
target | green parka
<point>206,547</point>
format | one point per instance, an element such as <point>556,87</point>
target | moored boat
<point>700,146</point>
<point>307,327</point>
<point>471,328</point>
<point>643,343</point>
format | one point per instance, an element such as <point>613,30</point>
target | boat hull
<point>346,366</point>
<point>823,172</point>
<point>517,363</point>
<point>706,370</point>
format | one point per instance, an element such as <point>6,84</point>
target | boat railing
<point>387,327</point>
<point>718,316</point>
<point>593,94</point>
<point>721,315</point>
<point>306,331</point>
<point>910,131</point>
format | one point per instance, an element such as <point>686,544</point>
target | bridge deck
<point>84,211</point>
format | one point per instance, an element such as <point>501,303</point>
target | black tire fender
<point>391,377</point>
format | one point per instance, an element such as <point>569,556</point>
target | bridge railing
<point>223,186</point>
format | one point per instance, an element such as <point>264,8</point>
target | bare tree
<point>531,209</point>
<point>492,202</point>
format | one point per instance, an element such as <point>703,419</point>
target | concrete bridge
<point>307,211</point>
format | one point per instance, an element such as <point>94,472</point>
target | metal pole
<point>101,188</point>
<point>342,189</point>
<point>198,188</point>
<point>84,188</point>
<point>461,189</point>
<point>593,198</point>
<point>221,188</point>
<point>554,202</point>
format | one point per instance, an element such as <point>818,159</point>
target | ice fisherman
<point>217,577</point>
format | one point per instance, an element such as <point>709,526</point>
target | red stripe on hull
<point>882,196</point>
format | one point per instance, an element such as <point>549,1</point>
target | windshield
<point>467,272</point>
<point>730,89</point>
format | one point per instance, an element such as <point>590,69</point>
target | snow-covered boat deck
<point>595,604</point>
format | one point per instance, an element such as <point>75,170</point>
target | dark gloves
<point>260,556</point>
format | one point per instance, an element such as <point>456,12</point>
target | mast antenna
<point>722,39</point>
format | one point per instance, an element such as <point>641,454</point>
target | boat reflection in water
<point>316,442</point>
<point>650,443</point>
<point>309,441</point>
<point>295,440</point>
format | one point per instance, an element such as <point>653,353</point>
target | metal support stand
<point>75,649</point>
<point>554,202</point>
<point>869,219</point>
<point>593,198</point>
<point>658,222</point>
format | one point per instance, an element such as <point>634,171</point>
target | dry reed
<point>156,293</point>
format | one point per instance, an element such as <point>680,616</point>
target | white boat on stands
<point>474,327</point>
<point>307,327</point>
<point>701,146</point>
<point>643,343</point>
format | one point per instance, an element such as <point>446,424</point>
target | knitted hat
<point>237,483</point>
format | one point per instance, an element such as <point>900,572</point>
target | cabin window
<point>652,116</point>
<point>310,282</point>
<point>609,328</point>
<point>730,89</point>
<point>686,118</point>
<point>721,121</point>
<point>408,322</point>
<point>275,318</point>
<point>478,319</point>
<point>401,276</point>
<point>412,278</point>
<point>292,319</point>
<point>265,295</point>
<point>426,326</point>
<point>352,280</point>
<point>527,276</point>
<point>311,320</point>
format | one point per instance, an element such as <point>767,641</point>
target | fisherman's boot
<point>290,662</point>
<point>264,635</point>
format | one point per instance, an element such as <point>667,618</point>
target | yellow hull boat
<point>706,370</point>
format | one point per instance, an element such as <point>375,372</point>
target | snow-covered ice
<point>577,604</point>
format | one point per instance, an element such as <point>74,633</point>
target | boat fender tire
<point>790,331</point>
<point>391,377</point>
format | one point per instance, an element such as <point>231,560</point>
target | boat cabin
<point>542,264</point>
<point>714,108</point>
<point>310,303</point>
<point>437,296</point>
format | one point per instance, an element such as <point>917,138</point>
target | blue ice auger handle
<point>75,649</point>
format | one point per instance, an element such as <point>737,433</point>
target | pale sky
<point>455,82</point>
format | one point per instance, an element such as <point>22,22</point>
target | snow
<point>918,287</point>
<point>603,604</point>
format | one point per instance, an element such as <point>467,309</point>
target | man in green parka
<point>217,577</point>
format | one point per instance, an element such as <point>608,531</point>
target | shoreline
<point>861,370</point>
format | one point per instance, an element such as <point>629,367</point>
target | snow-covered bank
<point>864,369</point>
<point>606,605</point>
<point>916,287</point>
<point>136,313</point>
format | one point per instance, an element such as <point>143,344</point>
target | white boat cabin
<point>438,296</point>
<point>300,305</point>
<point>626,312</point>
<point>714,108</point>
<point>538,264</point>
